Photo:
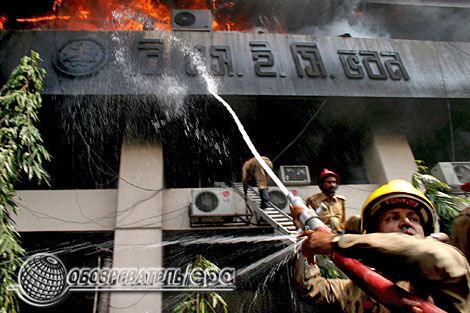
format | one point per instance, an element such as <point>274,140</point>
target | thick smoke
<point>323,18</point>
<point>367,18</point>
<point>360,18</point>
<point>346,27</point>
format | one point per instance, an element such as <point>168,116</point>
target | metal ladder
<point>278,219</point>
<point>281,221</point>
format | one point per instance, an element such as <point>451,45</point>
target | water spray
<point>308,219</point>
<point>251,146</point>
<point>375,285</point>
<point>380,288</point>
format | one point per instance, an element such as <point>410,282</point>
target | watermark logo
<point>43,280</point>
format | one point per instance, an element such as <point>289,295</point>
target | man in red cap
<point>329,206</point>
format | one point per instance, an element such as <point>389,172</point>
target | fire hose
<point>372,283</point>
<point>380,288</point>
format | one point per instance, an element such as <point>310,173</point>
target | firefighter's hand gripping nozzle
<point>377,286</point>
<point>308,218</point>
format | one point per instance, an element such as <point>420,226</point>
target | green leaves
<point>216,299</point>
<point>446,204</point>
<point>203,263</point>
<point>202,302</point>
<point>21,153</point>
<point>327,268</point>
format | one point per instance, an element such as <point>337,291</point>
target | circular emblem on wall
<point>81,57</point>
<point>42,280</point>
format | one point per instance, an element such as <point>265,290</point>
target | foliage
<point>446,204</point>
<point>21,155</point>
<point>327,268</point>
<point>202,302</point>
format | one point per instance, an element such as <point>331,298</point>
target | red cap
<point>465,186</point>
<point>327,173</point>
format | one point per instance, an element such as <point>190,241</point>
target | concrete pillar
<point>388,157</point>
<point>138,222</point>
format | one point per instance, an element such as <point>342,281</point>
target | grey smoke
<point>345,26</point>
<point>365,18</point>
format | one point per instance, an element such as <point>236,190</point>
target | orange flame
<point>83,14</point>
<point>129,15</point>
<point>194,4</point>
<point>3,19</point>
<point>42,19</point>
<point>56,4</point>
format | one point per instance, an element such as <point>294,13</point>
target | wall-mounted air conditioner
<point>212,202</point>
<point>191,20</point>
<point>453,173</point>
<point>294,174</point>
<point>277,197</point>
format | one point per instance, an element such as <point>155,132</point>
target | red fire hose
<point>378,287</point>
<point>372,283</point>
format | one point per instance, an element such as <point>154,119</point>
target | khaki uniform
<point>253,173</point>
<point>333,213</point>
<point>461,232</point>
<point>439,272</point>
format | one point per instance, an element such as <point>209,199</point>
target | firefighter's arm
<point>434,265</point>
<point>316,242</point>
<point>374,284</point>
<point>405,257</point>
<point>399,256</point>
<point>322,290</point>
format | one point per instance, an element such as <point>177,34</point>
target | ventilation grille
<point>191,20</point>
<point>212,202</point>
<point>206,201</point>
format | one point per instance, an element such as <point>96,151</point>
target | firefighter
<point>329,206</point>
<point>253,174</point>
<point>396,223</point>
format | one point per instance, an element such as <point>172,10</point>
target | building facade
<point>134,131</point>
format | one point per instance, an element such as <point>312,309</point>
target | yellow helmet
<point>397,193</point>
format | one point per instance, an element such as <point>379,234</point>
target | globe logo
<point>42,280</point>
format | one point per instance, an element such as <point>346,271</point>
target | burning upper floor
<point>358,18</point>
<point>128,15</point>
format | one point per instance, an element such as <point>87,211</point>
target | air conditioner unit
<point>212,202</point>
<point>453,173</point>
<point>191,20</point>
<point>277,197</point>
<point>294,174</point>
